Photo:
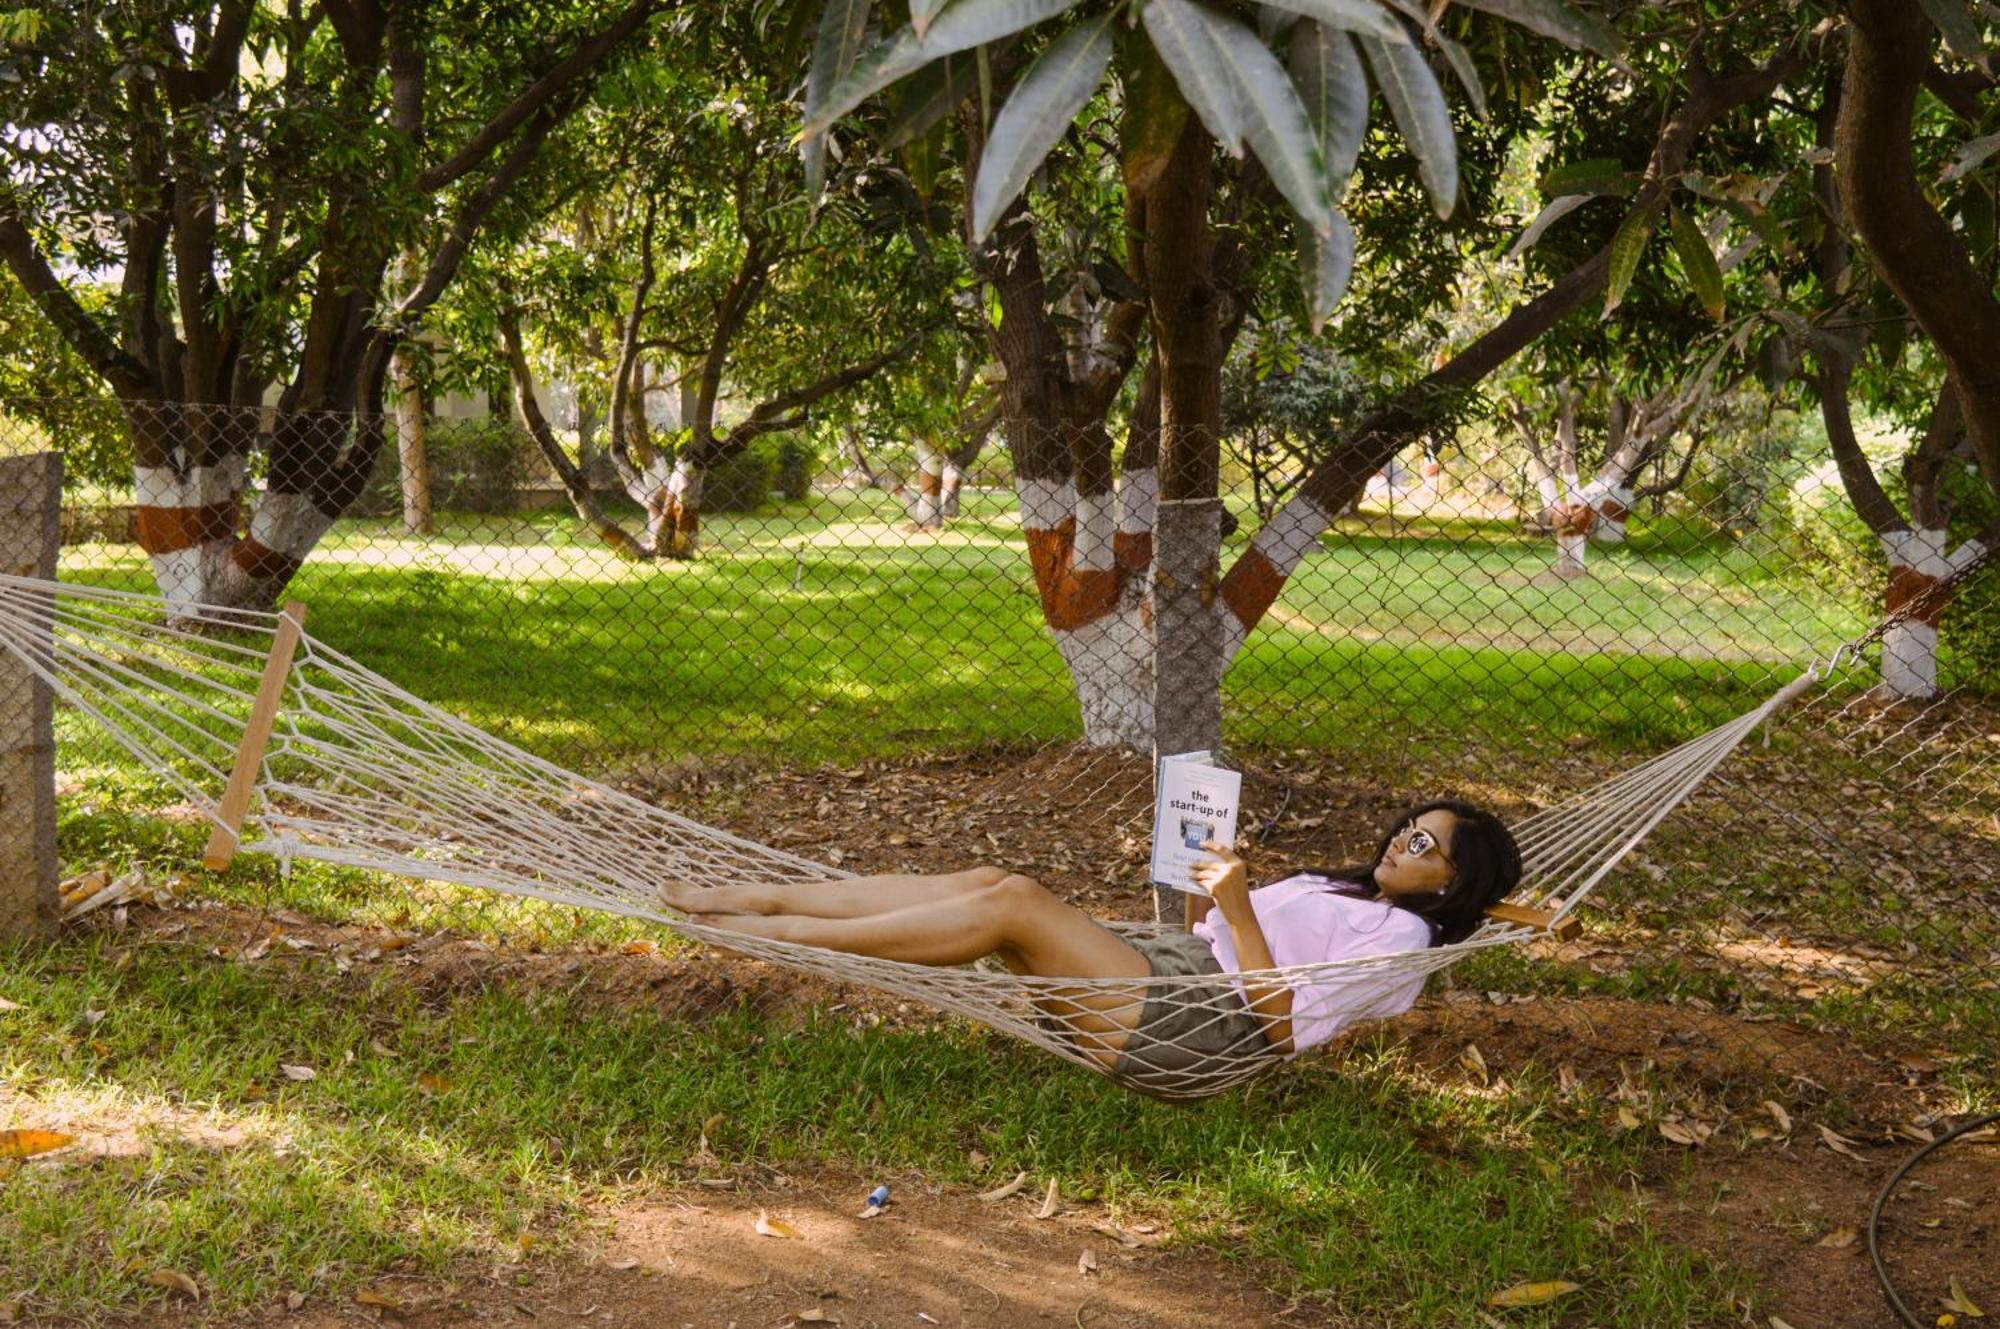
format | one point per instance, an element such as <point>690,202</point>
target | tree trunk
<point>411,460</point>
<point>1187,533</point>
<point>925,497</point>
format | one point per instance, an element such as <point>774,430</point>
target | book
<point>1193,800</point>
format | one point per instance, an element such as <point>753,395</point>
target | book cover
<point>1194,800</point>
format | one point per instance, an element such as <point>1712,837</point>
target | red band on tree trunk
<point>1918,595</point>
<point>169,530</point>
<point>1252,587</point>
<point>262,562</point>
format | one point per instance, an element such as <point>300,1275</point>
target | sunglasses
<point>1414,842</point>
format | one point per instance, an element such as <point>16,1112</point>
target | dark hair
<point>1488,862</point>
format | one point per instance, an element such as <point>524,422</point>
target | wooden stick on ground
<point>222,840</point>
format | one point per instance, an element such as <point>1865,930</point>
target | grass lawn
<point>440,1129</point>
<point>827,631</point>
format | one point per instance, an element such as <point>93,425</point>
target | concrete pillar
<point>30,512</point>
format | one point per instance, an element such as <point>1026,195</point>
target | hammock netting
<point>359,772</point>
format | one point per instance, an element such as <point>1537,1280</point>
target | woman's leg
<point>1014,917</point>
<point>853,897</point>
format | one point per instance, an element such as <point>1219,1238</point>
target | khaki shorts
<point>1189,1035</point>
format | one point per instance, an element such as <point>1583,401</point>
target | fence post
<point>30,520</point>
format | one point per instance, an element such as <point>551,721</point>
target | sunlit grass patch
<point>434,1131</point>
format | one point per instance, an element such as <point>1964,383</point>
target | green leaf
<point>841,25</point>
<point>1461,64</point>
<point>1180,33</point>
<point>1042,106</point>
<point>962,26</point>
<point>1627,247</point>
<point>1698,262</point>
<point>1565,22</point>
<point>1274,121</point>
<point>1954,20</point>
<point>1556,210</point>
<point>928,97</point>
<point>1418,104</point>
<point>1115,282</point>
<point>1975,214</point>
<point>1326,70</point>
<point>1598,175</point>
<point>1759,219</point>
<point>922,12</point>
<point>1968,158</point>
<point>1351,15</point>
<point>1326,261</point>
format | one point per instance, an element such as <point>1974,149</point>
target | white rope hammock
<point>361,773</point>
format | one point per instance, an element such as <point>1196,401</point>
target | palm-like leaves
<point>1305,120</point>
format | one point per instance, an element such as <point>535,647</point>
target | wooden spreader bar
<point>235,802</point>
<point>1543,920</point>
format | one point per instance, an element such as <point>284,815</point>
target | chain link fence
<point>912,622</point>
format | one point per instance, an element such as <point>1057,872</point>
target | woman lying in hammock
<point>1433,875</point>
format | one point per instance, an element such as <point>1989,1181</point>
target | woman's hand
<point>1225,879</point>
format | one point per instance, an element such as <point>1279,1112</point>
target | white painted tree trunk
<point>1101,623</point>
<point>283,530</point>
<point>1612,502</point>
<point>1918,561</point>
<point>680,522</point>
<point>925,498</point>
<point>954,481</point>
<point>1259,575</point>
<point>412,460</point>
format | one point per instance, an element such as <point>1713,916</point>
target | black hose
<point>1895,1180</point>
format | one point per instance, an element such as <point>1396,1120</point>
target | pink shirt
<point>1306,923</point>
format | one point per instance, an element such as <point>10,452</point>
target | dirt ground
<point>1770,1140</point>
<point>932,1257</point>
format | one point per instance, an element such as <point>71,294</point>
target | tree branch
<point>127,376</point>
<point>574,482</point>
<point>536,96</point>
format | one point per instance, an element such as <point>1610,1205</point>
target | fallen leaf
<point>174,1281</point>
<point>1779,1323</point>
<point>641,947</point>
<point>433,1084</point>
<point>1961,1303</point>
<point>1839,1143</point>
<point>1475,1061</point>
<point>1002,1192</point>
<point>1117,1234</point>
<point>1050,1202</point>
<point>1839,1239</point>
<point>816,1316</point>
<point>1779,1115</point>
<point>6,1005</point>
<point>380,1049</point>
<point>768,1226</point>
<point>1678,1133</point>
<point>1628,1118</point>
<point>1086,1263</point>
<point>26,1144</point>
<point>1532,1294</point>
<point>298,1073</point>
<point>370,1297</point>
<point>294,1300</point>
<point>394,943</point>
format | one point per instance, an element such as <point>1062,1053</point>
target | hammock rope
<point>360,773</point>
